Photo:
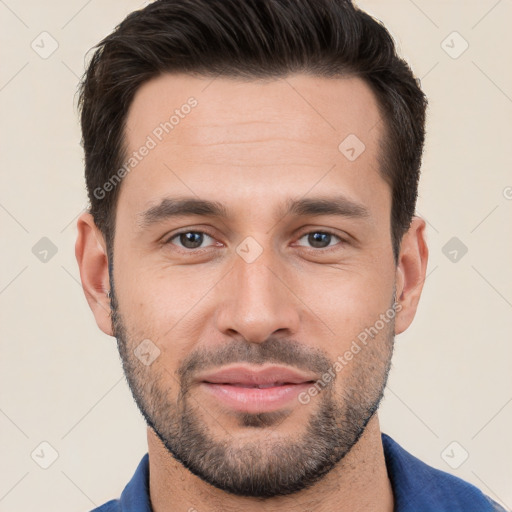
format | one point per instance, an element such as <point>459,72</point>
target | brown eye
<point>189,239</point>
<point>320,239</point>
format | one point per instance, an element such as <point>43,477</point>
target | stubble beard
<point>274,464</point>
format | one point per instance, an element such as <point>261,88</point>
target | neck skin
<point>359,483</point>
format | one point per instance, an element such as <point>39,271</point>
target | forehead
<point>243,139</point>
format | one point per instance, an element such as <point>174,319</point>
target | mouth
<point>255,390</point>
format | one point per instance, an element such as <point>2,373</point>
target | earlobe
<point>91,255</point>
<point>410,273</point>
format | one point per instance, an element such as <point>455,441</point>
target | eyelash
<point>203,249</point>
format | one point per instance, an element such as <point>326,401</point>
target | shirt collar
<point>135,497</point>
<point>416,486</point>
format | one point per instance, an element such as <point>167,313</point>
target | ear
<point>410,273</point>
<point>91,255</point>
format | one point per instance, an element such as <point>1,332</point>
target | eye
<point>190,239</point>
<point>320,239</point>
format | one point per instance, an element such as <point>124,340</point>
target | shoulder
<point>135,496</point>
<point>110,506</point>
<point>418,486</point>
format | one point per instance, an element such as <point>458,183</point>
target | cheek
<point>165,304</point>
<point>353,302</point>
<point>152,294</point>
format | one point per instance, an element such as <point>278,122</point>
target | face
<point>253,281</point>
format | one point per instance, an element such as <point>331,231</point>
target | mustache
<point>274,350</point>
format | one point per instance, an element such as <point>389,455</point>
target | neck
<point>358,483</point>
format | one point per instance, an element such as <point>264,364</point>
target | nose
<point>257,301</point>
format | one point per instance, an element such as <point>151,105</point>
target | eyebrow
<point>305,207</point>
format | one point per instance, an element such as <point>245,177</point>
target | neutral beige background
<point>60,378</point>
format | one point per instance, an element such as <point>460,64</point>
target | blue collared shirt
<point>417,487</point>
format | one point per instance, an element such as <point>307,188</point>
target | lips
<point>255,390</point>
<point>249,377</point>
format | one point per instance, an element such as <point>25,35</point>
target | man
<point>252,167</point>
